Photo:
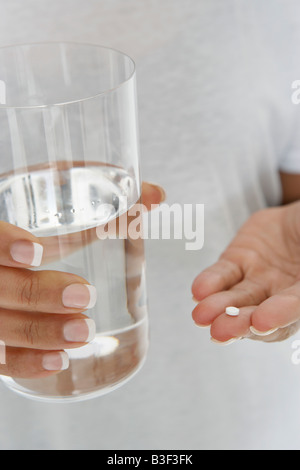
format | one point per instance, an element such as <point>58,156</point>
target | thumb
<point>152,195</point>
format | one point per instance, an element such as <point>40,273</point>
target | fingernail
<point>80,331</point>
<point>161,191</point>
<point>56,361</point>
<point>225,343</point>
<point>262,333</point>
<point>25,252</point>
<point>79,296</point>
<point>201,326</point>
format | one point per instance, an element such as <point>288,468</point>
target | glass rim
<point>71,43</point>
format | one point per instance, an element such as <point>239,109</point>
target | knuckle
<point>31,332</point>
<point>22,364</point>
<point>29,292</point>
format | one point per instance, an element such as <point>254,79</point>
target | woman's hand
<point>43,312</point>
<point>259,273</point>
<point>40,311</point>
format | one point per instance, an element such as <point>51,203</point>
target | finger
<point>152,195</point>
<point>218,277</point>
<point>279,311</point>
<point>244,294</point>
<point>45,291</point>
<point>30,364</point>
<point>18,247</point>
<point>45,331</point>
<point>225,328</point>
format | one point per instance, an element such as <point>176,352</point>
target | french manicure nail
<point>225,343</point>
<point>25,252</point>
<point>56,361</point>
<point>80,331</point>
<point>79,296</point>
<point>162,192</point>
<point>202,326</point>
<point>262,333</point>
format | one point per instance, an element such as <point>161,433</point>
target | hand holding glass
<point>70,164</point>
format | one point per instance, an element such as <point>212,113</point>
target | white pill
<point>232,311</point>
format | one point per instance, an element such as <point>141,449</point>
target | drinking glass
<point>69,165</point>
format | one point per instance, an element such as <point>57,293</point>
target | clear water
<point>65,207</point>
<point>96,369</point>
<point>53,201</point>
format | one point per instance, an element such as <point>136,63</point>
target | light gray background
<point>216,123</point>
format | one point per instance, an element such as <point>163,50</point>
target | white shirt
<point>216,124</point>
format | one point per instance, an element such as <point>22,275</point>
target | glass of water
<point>70,165</point>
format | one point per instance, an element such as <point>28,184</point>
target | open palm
<point>259,273</point>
